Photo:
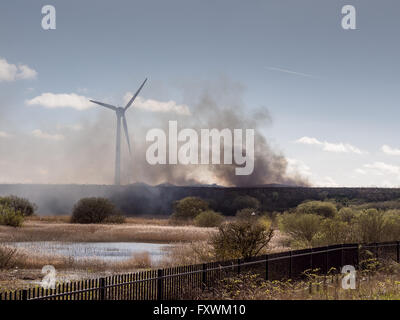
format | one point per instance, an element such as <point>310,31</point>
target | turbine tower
<point>120,113</point>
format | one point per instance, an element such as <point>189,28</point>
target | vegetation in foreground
<point>375,282</point>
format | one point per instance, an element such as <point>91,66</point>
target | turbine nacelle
<point>120,112</point>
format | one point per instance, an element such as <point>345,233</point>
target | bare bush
<point>241,239</point>
<point>7,255</point>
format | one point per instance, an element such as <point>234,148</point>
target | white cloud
<point>381,168</point>
<point>4,134</point>
<point>330,147</point>
<point>47,136</point>
<point>11,72</point>
<point>390,151</point>
<point>360,171</point>
<point>157,106</point>
<point>62,100</point>
<point>308,140</point>
<point>25,72</point>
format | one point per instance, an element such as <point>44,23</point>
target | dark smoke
<point>87,156</point>
<point>220,106</point>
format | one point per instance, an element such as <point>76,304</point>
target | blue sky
<point>332,94</point>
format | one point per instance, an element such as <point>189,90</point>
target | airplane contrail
<point>291,72</point>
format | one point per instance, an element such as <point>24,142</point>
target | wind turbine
<point>120,112</point>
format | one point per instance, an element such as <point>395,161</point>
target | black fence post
<point>102,289</point>
<point>238,264</point>
<point>311,259</point>
<point>358,256</point>
<point>376,250</point>
<point>341,257</point>
<point>266,268</point>
<point>160,275</point>
<point>398,251</point>
<point>327,268</point>
<point>204,276</point>
<point>290,264</point>
<point>24,295</point>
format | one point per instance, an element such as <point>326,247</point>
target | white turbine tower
<point>120,112</point>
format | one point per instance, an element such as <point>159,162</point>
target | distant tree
<point>188,208</point>
<point>322,208</point>
<point>275,196</point>
<point>208,219</point>
<point>95,210</point>
<point>245,201</point>
<point>22,205</point>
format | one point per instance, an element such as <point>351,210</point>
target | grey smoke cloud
<point>86,156</point>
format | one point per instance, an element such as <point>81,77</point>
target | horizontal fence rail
<point>186,282</point>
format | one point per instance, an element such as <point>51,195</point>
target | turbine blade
<point>109,106</point>
<point>135,95</point>
<point>126,134</point>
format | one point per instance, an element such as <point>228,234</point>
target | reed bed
<point>36,230</point>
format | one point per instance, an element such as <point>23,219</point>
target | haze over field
<point>324,111</point>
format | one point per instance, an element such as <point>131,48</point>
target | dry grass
<point>128,220</point>
<point>381,284</point>
<point>50,230</point>
<point>187,254</point>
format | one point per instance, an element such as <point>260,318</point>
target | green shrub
<point>301,227</point>
<point>392,225</point>
<point>240,239</point>
<point>347,214</point>
<point>371,225</point>
<point>265,221</point>
<point>94,210</point>
<point>333,231</point>
<point>208,219</point>
<point>10,217</point>
<point>188,208</point>
<point>322,208</point>
<point>19,204</point>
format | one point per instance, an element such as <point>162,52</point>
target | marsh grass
<point>182,254</point>
<point>135,230</point>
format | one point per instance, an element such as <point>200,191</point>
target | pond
<point>109,251</point>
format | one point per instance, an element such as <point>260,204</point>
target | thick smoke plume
<point>86,156</point>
